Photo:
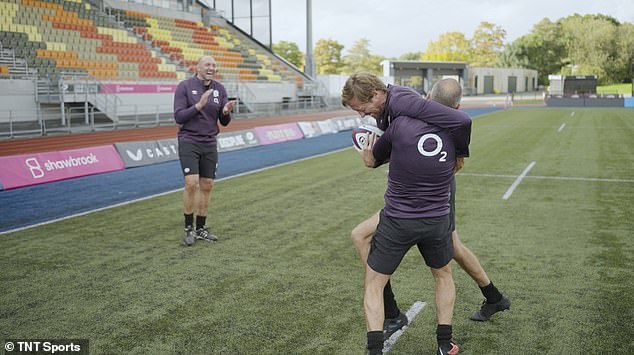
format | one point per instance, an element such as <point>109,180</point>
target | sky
<point>397,27</point>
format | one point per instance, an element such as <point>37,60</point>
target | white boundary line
<point>517,181</point>
<point>411,314</point>
<point>168,192</point>
<point>296,161</point>
<point>577,178</point>
<point>564,178</point>
<point>561,128</point>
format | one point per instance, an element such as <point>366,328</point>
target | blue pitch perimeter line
<point>27,206</point>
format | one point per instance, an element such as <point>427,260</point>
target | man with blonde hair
<point>367,94</point>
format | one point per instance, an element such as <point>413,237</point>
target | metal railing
<point>145,116</point>
<point>86,118</point>
<point>47,121</point>
<point>18,66</point>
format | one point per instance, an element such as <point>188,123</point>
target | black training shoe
<point>203,234</point>
<point>452,349</point>
<point>489,309</point>
<point>392,325</point>
<point>189,237</point>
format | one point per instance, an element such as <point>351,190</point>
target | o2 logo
<point>438,150</point>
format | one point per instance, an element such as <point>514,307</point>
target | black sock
<point>200,221</point>
<point>389,302</point>
<point>375,340</point>
<point>443,334</point>
<point>491,293</point>
<point>189,219</point>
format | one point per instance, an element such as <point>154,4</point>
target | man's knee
<point>375,280</point>
<point>360,236</point>
<point>206,184</point>
<point>458,247</point>
<point>443,273</point>
<point>191,184</point>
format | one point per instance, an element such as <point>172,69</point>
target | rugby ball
<point>360,134</point>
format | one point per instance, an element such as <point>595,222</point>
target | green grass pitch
<point>285,279</point>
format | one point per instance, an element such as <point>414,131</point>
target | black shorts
<point>395,236</point>
<point>198,159</point>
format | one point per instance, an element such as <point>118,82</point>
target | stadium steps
<point>13,65</point>
<point>81,89</point>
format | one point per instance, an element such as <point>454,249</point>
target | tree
<point>576,45</point>
<point>289,51</point>
<point>543,50</point>
<point>328,56</point>
<point>412,56</point>
<point>591,42</point>
<point>487,43</point>
<point>624,60</point>
<point>450,46</point>
<point>514,55</point>
<point>359,58</point>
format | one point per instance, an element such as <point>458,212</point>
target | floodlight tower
<point>309,67</point>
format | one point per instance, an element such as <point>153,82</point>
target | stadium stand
<point>186,41</point>
<point>79,51</point>
<point>58,37</point>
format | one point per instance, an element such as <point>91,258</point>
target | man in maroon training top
<point>199,104</point>
<point>422,157</point>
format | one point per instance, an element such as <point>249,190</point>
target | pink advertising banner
<point>278,133</point>
<point>38,168</point>
<point>138,88</point>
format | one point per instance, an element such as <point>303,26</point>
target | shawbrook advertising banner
<point>38,168</point>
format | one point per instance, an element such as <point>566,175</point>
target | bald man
<point>200,102</point>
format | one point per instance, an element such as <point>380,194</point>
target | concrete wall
<point>501,79</point>
<point>146,103</point>
<point>264,92</point>
<point>17,100</point>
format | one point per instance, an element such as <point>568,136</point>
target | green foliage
<point>412,56</point>
<point>591,45</point>
<point>289,51</point>
<point>450,46</point>
<point>360,59</point>
<point>543,50</point>
<point>487,42</point>
<point>624,61</point>
<point>576,45</point>
<point>482,50</point>
<point>328,56</point>
<point>621,89</point>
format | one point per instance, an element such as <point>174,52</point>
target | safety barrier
<point>37,168</point>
